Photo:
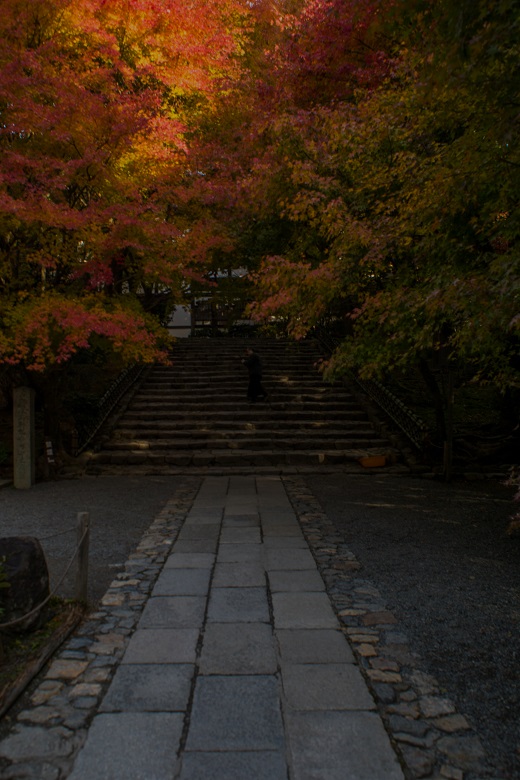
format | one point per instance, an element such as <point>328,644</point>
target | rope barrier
<point>58,533</point>
<point>39,607</point>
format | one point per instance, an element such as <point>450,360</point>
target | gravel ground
<point>441,559</point>
<point>121,509</point>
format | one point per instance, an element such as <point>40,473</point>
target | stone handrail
<point>415,429</point>
<point>106,404</point>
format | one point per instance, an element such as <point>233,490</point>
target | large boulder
<point>26,572</point>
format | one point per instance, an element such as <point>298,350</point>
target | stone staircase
<point>194,413</point>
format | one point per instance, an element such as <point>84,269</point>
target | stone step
<point>194,413</point>
<point>249,413</point>
<point>233,401</point>
<point>234,366</point>
<point>238,346</point>
<point>232,377</point>
<point>236,355</point>
<point>281,357</point>
<point>226,457</point>
<point>144,429</point>
<point>305,363</point>
<point>237,396</point>
<point>315,386</point>
<point>247,443</point>
<point>202,382</point>
<point>218,404</point>
<point>193,391</point>
<point>215,357</point>
<point>226,368</point>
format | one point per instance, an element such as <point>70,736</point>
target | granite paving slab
<point>231,553</point>
<point>280,530</point>
<point>199,531</point>
<point>239,575</point>
<point>278,517</point>
<point>182,582</point>
<point>189,561</point>
<point>242,508</point>
<point>232,605</point>
<point>312,610</point>
<point>240,535</point>
<point>149,688</point>
<point>288,559</point>
<point>282,513</point>
<point>162,646</point>
<point>204,517</point>
<point>271,492</point>
<point>325,687</point>
<point>241,521</point>
<point>196,546</point>
<point>236,713</point>
<point>238,648</point>
<point>256,765</point>
<point>173,612</point>
<point>313,646</point>
<point>301,581</point>
<point>289,542</point>
<point>276,506</point>
<point>212,493</point>
<point>341,746</point>
<point>130,745</point>
<point>241,484</point>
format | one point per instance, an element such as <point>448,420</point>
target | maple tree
<point>96,100</point>
<point>361,158</point>
<point>245,153</point>
<point>391,171</point>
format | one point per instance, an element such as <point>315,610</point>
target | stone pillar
<point>24,455</point>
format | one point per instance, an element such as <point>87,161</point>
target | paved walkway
<point>238,667</point>
<point>107,670</point>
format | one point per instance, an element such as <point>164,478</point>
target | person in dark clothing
<point>253,364</point>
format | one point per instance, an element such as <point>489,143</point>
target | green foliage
<point>402,196</point>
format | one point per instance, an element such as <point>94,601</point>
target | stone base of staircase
<point>193,416</point>
<point>240,470</point>
<point>238,457</point>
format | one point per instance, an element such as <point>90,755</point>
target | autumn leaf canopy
<point>360,158</point>
<point>97,100</point>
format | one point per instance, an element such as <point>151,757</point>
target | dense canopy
<point>360,157</point>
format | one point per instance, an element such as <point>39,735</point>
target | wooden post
<point>83,539</point>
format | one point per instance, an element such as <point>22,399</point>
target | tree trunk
<point>443,403</point>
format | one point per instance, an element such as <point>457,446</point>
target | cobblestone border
<point>430,737</point>
<point>46,736</point>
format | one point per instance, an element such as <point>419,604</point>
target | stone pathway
<point>216,654</point>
